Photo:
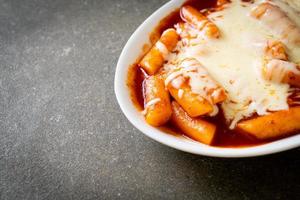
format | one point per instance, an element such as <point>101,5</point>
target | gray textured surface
<point>63,135</point>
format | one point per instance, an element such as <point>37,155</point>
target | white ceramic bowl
<point>130,53</point>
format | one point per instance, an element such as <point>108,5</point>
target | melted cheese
<point>235,61</point>
<point>150,103</point>
<point>180,93</point>
<point>277,70</point>
<point>199,79</point>
<point>269,15</point>
<point>294,14</point>
<point>162,49</point>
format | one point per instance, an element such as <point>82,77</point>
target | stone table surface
<point>63,135</point>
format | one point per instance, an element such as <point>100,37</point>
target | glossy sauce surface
<point>224,137</point>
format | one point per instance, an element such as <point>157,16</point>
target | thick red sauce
<point>224,137</point>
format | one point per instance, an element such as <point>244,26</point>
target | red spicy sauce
<point>224,137</point>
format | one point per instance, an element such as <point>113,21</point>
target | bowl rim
<point>128,57</point>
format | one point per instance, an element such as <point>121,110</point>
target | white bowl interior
<point>130,53</point>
